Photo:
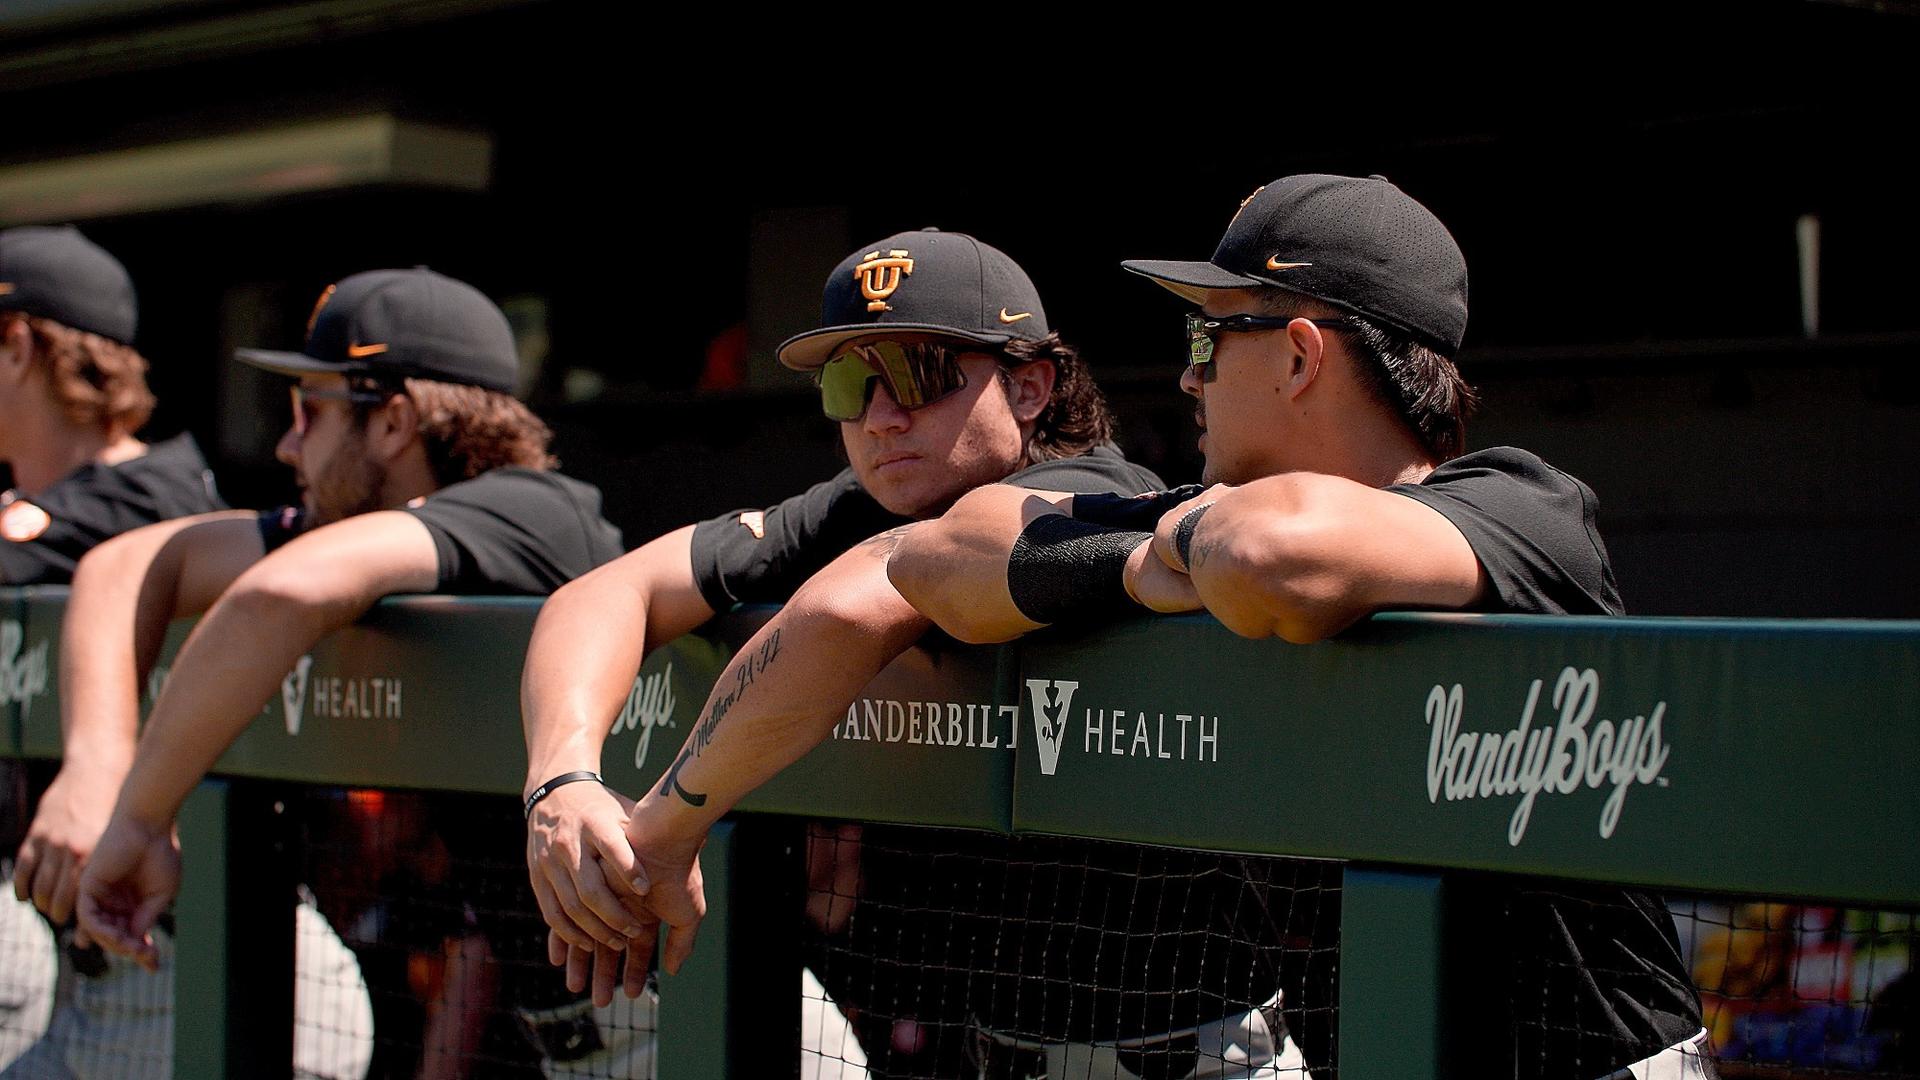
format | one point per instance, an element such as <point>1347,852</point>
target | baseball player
<point>419,472</point>
<point>1333,425</point>
<point>73,392</point>
<point>937,360</point>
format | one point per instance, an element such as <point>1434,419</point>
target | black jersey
<point>506,531</point>
<point>760,556</point>
<point>1596,976</point>
<point>43,535</point>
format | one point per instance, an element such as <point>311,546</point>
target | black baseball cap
<point>927,282</point>
<point>1360,244</point>
<point>403,323</point>
<point>54,272</point>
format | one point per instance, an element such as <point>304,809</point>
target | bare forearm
<point>238,655</point>
<point>788,686</point>
<point>588,644</point>
<point>954,570</point>
<point>1303,556</point>
<point>580,666</point>
<point>125,592</point>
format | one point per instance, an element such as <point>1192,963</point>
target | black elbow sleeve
<point>1063,570</point>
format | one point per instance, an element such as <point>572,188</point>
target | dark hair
<point>1076,418</point>
<point>469,430</point>
<point>1423,388</point>
<point>95,381</point>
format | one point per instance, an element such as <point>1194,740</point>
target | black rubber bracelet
<point>1183,532</point>
<point>546,789</point>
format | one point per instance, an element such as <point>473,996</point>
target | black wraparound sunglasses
<point>1201,331</point>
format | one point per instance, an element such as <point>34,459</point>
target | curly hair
<point>1076,418</point>
<point>96,382</point>
<point>1423,388</point>
<point>469,430</point>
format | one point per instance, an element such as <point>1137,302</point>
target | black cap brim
<point>289,363</point>
<point>805,352</point>
<point>1192,280</point>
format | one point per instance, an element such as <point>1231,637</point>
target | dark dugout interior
<point>1639,195</point>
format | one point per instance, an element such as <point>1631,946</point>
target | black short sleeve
<point>44,535</point>
<point>516,531</point>
<point>1099,471</point>
<point>1532,528</point>
<point>760,556</point>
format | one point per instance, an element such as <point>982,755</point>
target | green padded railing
<point>1601,749</point>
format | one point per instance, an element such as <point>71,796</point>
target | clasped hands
<point>607,881</point>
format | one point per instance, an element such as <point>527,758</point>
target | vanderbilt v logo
<point>1051,701</point>
<point>293,694</point>
<point>880,277</point>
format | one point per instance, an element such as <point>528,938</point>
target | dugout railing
<point>1736,757</point>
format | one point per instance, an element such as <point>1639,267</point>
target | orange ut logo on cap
<point>880,277</point>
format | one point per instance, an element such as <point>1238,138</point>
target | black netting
<point>430,894</point>
<point>961,954</point>
<point>942,953</point>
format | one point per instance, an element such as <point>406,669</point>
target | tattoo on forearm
<point>745,669</point>
<point>883,545</point>
<point>1200,552</point>
<point>671,785</point>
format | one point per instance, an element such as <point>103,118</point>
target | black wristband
<point>546,789</point>
<point>1183,531</point>
<point>1065,570</point>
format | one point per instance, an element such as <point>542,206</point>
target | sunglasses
<point>1203,331</point>
<point>917,374</point>
<point>305,412</point>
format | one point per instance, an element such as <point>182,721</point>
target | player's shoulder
<point>511,486</point>
<point>1101,470</point>
<point>1507,466</point>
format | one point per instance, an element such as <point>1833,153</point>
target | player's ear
<point>393,426</point>
<point>1029,388</point>
<point>1306,350</point>
<point>16,348</point>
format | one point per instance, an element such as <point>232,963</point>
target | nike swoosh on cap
<point>1006,318</point>
<point>1274,263</point>
<point>357,351</point>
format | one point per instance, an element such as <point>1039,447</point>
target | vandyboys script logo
<point>1556,758</point>
<point>649,705</point>
<point>23,670</point>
